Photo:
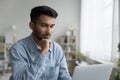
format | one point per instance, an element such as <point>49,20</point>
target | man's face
<point>43,27</point>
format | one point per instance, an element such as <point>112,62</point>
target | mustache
<point>46,36</point>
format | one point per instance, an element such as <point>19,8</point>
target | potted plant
<point>79,56</point>
<point>116,76</point>
<point>119,55</point>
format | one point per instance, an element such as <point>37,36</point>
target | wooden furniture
<point>4,55</point>
<point>68,43</point>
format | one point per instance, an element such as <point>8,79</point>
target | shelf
<point>67,43</point>
<point>1,52</point>
<point>71,60</point>
<point>69,52</point>
<point>4,54</point>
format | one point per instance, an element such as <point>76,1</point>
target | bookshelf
<point>4,54</point>
<point>68,43</point>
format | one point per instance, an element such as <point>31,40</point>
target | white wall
<point>16,12</point>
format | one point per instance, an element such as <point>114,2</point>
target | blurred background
<point>88,28</point>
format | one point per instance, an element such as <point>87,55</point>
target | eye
<point>52,26</point>
<point>44,25</point>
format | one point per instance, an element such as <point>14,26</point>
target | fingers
<point>45,45</point>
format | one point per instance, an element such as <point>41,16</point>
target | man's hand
<point>45,45</point>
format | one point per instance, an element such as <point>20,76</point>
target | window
<point>96,29</point>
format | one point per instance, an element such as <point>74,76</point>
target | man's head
<point>42,21</point>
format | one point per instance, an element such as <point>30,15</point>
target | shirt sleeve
<point>22,70</point>
<point>63,73</point>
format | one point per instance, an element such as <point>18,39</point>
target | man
<point>37,57</point>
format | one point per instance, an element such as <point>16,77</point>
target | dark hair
<point>37,11</point>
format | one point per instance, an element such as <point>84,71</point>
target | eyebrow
<point>48,24</point>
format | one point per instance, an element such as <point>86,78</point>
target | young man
<point>37,57</point>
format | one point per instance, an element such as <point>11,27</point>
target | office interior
<point>87,30</point>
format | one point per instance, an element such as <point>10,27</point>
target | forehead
<point>46,19</point>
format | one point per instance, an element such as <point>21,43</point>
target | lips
<point>46,37</point>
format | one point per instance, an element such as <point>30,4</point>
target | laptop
<point>93,72</point>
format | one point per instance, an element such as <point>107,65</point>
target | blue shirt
<point>29,64</point>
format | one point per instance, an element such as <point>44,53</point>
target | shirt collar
<point>34,45</point>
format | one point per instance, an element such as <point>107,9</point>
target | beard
<point>40,37</point>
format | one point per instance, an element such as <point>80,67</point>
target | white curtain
<point>96,28</point>
<point>115,36</point>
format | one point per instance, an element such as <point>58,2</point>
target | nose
<point>49,30</point>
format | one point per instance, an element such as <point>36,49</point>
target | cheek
<point>51,30</point>
<point>40,30</point>
<point>36,30</point>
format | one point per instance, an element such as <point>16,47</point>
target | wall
<point>16,12</point>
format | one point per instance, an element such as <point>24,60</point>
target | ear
<point>31,25</point>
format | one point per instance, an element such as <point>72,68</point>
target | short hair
<point>39,10</point>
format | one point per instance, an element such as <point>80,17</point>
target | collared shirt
<point>29,64</point>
